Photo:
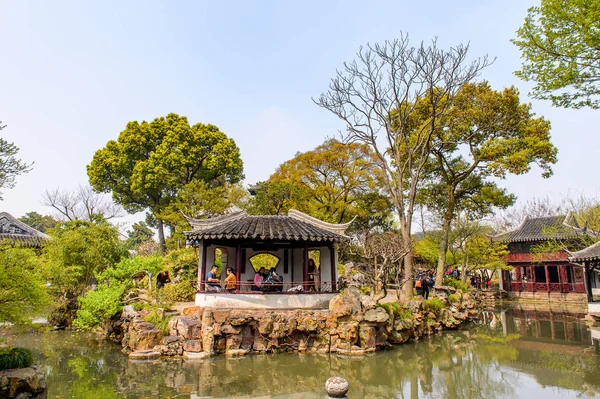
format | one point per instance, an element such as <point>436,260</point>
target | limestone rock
<point>142,336</point>
<point>144,355</point>
<point>26,381</point>
<point>376,315</point>
<point>129,313</point>
<point>367,302</point>
<point>188,327</point>
<point>367,337</point>
<point>192,345</point>
<point>346,303</point>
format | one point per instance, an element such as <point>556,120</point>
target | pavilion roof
<point>543,229</point>
<point>14,230</point>
<point>590,253</point>
<point>295,226</point>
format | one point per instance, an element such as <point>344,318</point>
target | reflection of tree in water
<point>470,364</point>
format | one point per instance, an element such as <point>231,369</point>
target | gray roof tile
<point>543,229</point>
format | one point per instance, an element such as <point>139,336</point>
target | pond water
<point>511,354</point>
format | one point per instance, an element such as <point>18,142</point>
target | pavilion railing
<point>547,287</point>
<point>299,287</point>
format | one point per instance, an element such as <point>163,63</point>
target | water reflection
<point>511,354</point>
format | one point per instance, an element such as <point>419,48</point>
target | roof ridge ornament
<point>331,227</point>
<point>203,224</point>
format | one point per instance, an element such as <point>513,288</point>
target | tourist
<point>258,279</point>
<point>212,281</point>
<point>419,284</point>
<point>425,286</point>
<point>312,273</point>
<point>274,281</point>
<point>161,279</point>
<point>230,280</point>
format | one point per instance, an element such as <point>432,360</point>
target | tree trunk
<point>408,275</point>
<point>161,236</point>
<point>463,272</point>
<point>441,267</point>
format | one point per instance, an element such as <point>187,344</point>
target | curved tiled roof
<point>590,253</point>
<point>14,230</point>
<point>296,226</point>
<point>543,229</point>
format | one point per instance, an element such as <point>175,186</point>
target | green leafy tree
<point>485,135</point>
<point>10,165</point>
<point>140,233</point>
<point>199,199</point>
<point>23,294</point>
<point>338,182</point>
<point>79,249</point>
<point>38,221</point>
<point>276,198</point>
<point>560,48</point>
<point>151,161</point>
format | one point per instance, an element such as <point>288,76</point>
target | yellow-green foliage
<point>22,291</point>
<point>453,298</point>
<point>15,358</point>
<point>434,304</point>
<point>160,322</point>
<point>452,282</point>
<point>183,262</point>
<point>397,310</point>
<point>179,292</point>
<point>99,306</point>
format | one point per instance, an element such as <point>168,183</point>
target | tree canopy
<point>140,233</point>
<point>560,48</point>
<point>485,135</point>
<point>10,165</point>
<point>334,182</point>
<point>22,291</point>
<point>151,161</point>
<point>38,221</point>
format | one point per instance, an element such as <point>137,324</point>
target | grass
<point>160,323</point>
<point>397,310</point>
<point>434,304</point>
<point>15,358</point>
<point>453,298</point>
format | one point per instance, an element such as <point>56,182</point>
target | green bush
<point>160,322</point>
<point>126,268</point>
<point>434,304</point>
<point>15,358</point>
<point>397,310</point>
<point>452,282</point>
<point>182,262</point>
<point>179,292</point>
<point>365,290</point>
<point>453,298</point>
<point>99,306</point>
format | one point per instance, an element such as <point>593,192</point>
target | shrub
<point>15,358</point>
<point>126,268</point>
<point>452,282</point>
<point>397,310</point>
<point>99,306</point>
<point>434,304</point>
<point>160,322</point>
<point>181,262</point>
<point>179,292</point>
<point>365,290</point>
<point>453,298</point>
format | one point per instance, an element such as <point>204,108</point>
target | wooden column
<point>333,267</point>
<point>203,266</point>
<point>305,265</point>
<point>238,265</point>
<point>586,281</point>
<point>547,278</point>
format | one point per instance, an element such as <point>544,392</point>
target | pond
<point>510,354</point>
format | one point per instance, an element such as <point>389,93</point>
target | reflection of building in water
<point>548,328</point>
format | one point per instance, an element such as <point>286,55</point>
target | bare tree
<point>393,98</point>
<point>385,252</point>
<point>81,204</point>
<point>534,208</point>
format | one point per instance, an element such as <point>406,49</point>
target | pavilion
<point>590,259</point>
<point>547,276</point>
<point>239,239</point>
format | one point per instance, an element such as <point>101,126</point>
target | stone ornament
<point>337,387</point>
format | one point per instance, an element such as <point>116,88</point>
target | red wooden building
<point>550,272</point>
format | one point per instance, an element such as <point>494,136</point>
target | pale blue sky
<point>73,73</point>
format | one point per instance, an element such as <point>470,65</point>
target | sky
<point>73,73</point>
